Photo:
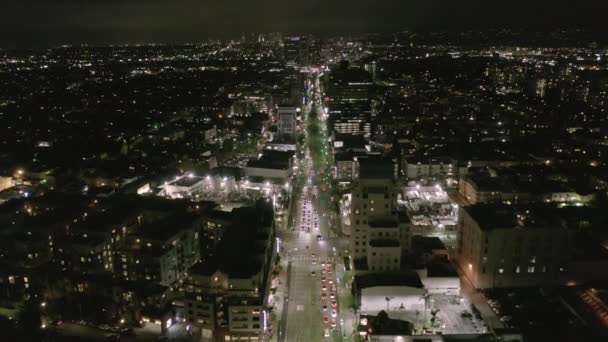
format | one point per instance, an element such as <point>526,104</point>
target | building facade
<point>505,246</point>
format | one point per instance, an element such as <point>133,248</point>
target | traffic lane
<point>77,332</point>
<point>304,324</point>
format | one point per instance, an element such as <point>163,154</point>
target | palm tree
<point>388,300</point>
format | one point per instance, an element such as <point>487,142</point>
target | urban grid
<point>412,185</point>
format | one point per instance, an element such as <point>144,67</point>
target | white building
<point>389,292</point>
<point>429,169</point>
<point>440,278</point>
<point>184,186</point>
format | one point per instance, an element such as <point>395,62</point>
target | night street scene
<point>315,171</point>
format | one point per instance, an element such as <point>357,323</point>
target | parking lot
<point>540,314</point>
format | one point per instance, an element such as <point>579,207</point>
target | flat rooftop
<point>403,278</point>
<point>384,243</point>
<point>186,181</point>
<point>492,216</point>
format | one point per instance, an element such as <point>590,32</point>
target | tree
<point>29,322</point>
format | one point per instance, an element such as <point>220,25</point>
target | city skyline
<point>326,172</point>
<point>43,23</point>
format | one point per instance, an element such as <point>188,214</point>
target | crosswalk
<point>308,257</point>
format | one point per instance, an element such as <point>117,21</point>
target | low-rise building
<point>390,292</point>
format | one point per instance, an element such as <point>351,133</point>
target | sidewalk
<point>278,315</point>
<point>476,298</point>
<point>347,315</point>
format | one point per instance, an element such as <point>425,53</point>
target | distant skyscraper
<point>348,100</point>
<point>302,51</point>
<point>294,48</point>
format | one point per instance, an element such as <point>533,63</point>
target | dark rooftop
<point>375,168</point>
<point>490,216</point>
<point>237,254</point>
<point>383,325</point>
<point>403,278</point>
<point>440,269</point>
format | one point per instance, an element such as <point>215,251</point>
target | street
<point>311,308</point>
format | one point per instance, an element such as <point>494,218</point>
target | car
<point>325,319</point>
<point>326,332</point>
<point>323,278</point>
<point>334,303</point>
<point>324,307</point>
<point>332,295</point>
<point>466,314</point>
<point>112,337</point>
<point>324,288</point>
<point>333,323</point>
<point>323,295</point>
<point>314,262</point>
<point>334,313</point>
<point>506,318</point>
<point>319,237</point>
<point>323,264</point>
<point>331,282</point>
<point>313,273</point>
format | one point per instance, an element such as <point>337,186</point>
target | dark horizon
<point>35,23</point>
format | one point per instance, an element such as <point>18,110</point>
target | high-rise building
<point>302,50</point>
<point>348,100</point>
<point>295,50</point>
<point>379,235</point>
<point>287,121</point>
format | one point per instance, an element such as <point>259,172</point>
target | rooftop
<point>376,168</point>
<point>383,325</point>
<point>241,250</point>
<point>403,278</point>
<point>186,181</point>
<point>440,269</point>
<point>492,216</point>
<point>384,243</point>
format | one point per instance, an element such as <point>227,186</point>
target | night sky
<point>36,22</point>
